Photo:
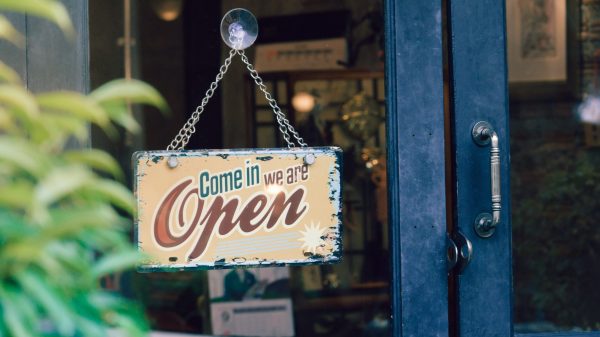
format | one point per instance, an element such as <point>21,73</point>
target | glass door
<point>392,281</point>
<point>528,196</point>
<point>168,36</point>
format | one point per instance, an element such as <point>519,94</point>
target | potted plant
<point>64,215</point>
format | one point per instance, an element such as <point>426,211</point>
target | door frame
<point>478,80</point>
<point>416,167</point>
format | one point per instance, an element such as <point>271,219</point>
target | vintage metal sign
<point>216,209</point>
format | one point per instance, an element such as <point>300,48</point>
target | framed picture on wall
<point>537,37</point>
<point>541,48</point>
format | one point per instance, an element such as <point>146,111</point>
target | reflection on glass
<point>350,298</point>
<point>555,168</point>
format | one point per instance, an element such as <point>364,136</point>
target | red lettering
<point>253,208</point>
<point>270,178</point>
<point>280,204</point>
<point>162,233</point>
<point>221,215</point>
<point>210,220</point>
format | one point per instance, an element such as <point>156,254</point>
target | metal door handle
<point>483,134</point>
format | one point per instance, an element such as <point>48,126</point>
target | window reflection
<point>555,155</point>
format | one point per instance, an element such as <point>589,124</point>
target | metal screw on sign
<point>172,162</point>
<point>309,159</point>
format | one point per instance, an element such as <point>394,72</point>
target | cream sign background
<point>238,207</point>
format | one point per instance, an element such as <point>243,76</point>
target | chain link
<point>189,128</point>
<point>284,124</point>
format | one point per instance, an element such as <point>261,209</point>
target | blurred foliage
<point>64,217</point>
<point>557,238</point>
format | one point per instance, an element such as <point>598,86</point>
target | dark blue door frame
<point>479,93</point>
<point>415,131</point>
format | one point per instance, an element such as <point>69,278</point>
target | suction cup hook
<point>239,29</point>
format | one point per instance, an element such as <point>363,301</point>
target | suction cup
<point>239,29</point>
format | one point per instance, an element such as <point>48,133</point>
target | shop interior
<point>328,78</point>
<point>323,61</point>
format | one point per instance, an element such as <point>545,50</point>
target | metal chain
<point>189,128</point>
<point>284,124</point>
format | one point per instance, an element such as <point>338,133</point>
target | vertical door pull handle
<point>484,134</point>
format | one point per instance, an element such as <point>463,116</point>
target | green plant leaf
<point>129,91</point>
<point>13,227</point>
<point>107,240</point>
<point>9,33</point>
<point>121,115</point>
<point>50,264</point>
<point>97,159</point>
<point>74,104</point>
<point>116,262</point>
<point>62,181</point>
<point>56,213</point>
<point>17,194</point>
<point>23,155</point>
<point>112,192</point>
<point>8,74</point>
<point>14,322</point>
<point>116,309</point>
<point>19,100</point>
<point>51,10</point>
<point>53,304</point>
<point>61,127</point>
<point>24,306</point>
<point>8,124</point>
<point>68,258</point>
<point>67,221</point>
<point>105,300</point>
<point>90,326</point>
<point>129,325</point>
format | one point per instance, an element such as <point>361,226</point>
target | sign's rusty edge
<point>156,156</point>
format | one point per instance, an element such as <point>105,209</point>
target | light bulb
<point>303,102</point>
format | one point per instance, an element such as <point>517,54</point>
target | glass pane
<point>179,53</point>
<point>266,136</point>
<point>282,92</point>
<point>264,116</point>
<point>555,155</point>
<point>380,89</point>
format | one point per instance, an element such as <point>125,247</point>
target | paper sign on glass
<point>226,208</point>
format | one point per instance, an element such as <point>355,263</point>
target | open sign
<point>226,208</point>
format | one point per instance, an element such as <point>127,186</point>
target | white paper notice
<point>251,302</point>
<point>302,55</point>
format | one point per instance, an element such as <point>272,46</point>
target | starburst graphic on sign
<point>311,237</point>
